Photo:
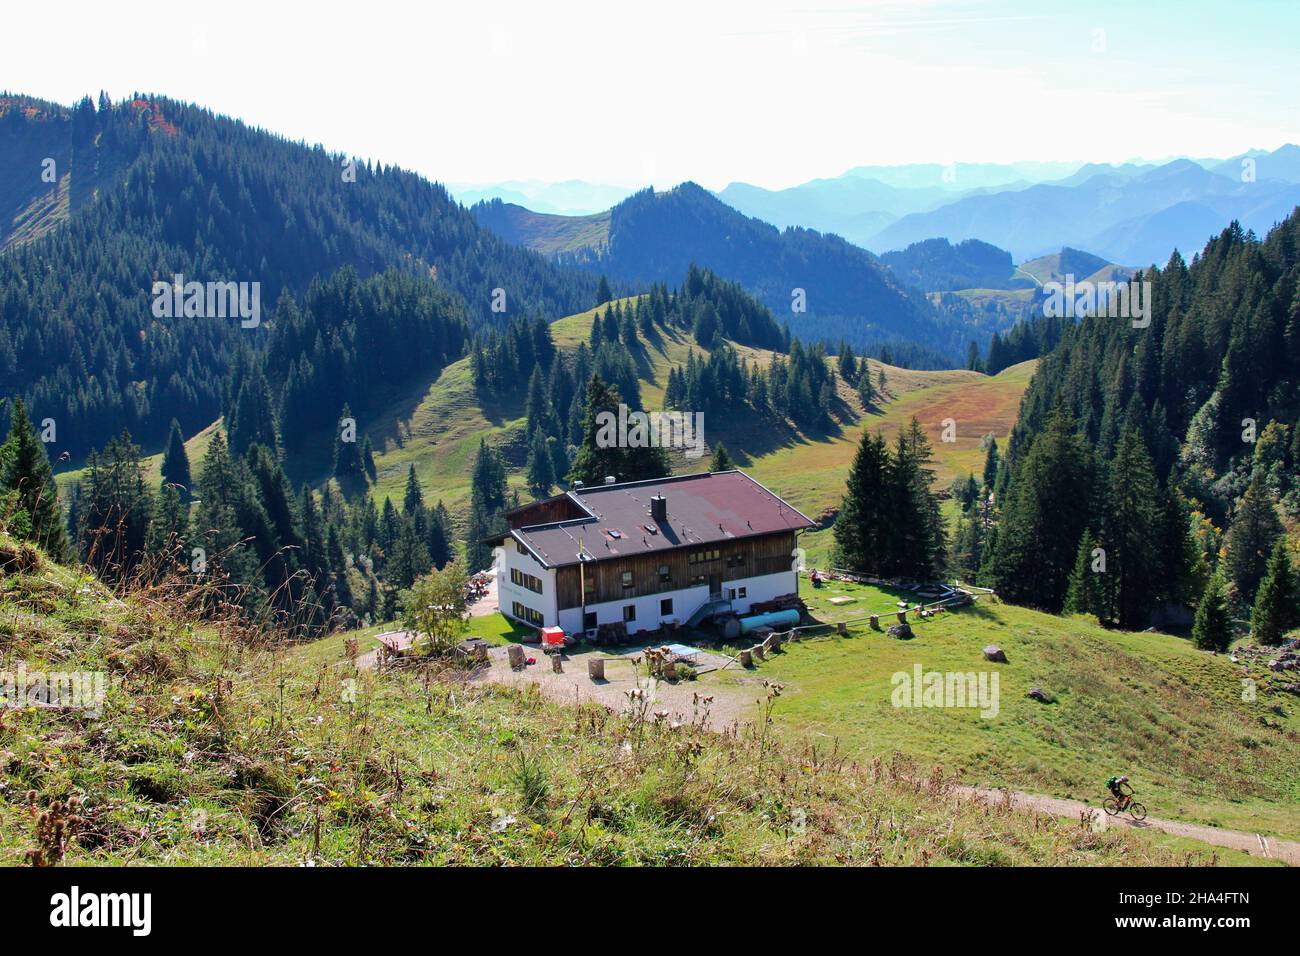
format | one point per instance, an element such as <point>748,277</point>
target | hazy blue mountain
<point>1044,217</point>
<point>961,177</point>
<point>1282,164</point>
<point>656,237</point>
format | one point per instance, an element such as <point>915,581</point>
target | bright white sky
<point>773,93</point>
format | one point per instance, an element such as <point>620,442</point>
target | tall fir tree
<point>1277,605</point>
<point>1250,538</point>
<point>721,460</point>
<point>176,463</point>
<point>25,471</point>
<point>1211,629</point>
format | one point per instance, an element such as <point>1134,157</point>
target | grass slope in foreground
<point>211,750</point>
<point>1147,705</point>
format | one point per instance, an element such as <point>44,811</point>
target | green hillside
<point>544,232</point>
<point>210,750</point>
<point>438,431</point>
<point>1146,705</point>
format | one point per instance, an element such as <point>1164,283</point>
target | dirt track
<point>1252,843</point>
<point>731,707</point>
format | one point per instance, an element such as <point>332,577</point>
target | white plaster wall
<point>686,601</point>
<point>508,592</point>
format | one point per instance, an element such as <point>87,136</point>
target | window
<point>629,613</point>
<point>589,587</point>
<point>665,575</point>
<point>589,620</point>
<point>698,579</point>
<point>528,614</point>
<point>523,580</point>
<point>742,592</point>
<point>699,557</point>
<point>627,579</point>
<point>521,549</point>
<point>665,607</point>
<point>731,594</point>
<point>735,560</point>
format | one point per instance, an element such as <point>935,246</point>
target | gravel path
<point>729,707</point>
<point>1253,843</point>
<point>732,706</point>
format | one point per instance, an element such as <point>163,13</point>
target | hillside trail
<point>729,708</point>
<point>1253,843</point>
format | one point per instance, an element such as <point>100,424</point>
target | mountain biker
<point>1118,787</point>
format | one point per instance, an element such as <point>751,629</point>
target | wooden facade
<point>658,572</point>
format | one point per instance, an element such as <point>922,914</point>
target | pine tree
<point>1250,538</point>
<point>600,455</point>
<point>866,391</point>
<point>991,464</point>
<point>487,502</point>
<point>1132,531</point>
<point>25,470</point>
<point>1050,506</point>
<point>169,530</point>
<point>1277,605</point>
<point>1082,594</point>
<point>859,527</point>
<point>115,509</point>
<point>1211,629</point>
<point>603,293</point>
<point>413,500</point>
<point>349,468</point>
<point>721,461</point>
<point>176,463</point>
<point>540,469</point>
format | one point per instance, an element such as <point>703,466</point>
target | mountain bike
<point>1115,807</point>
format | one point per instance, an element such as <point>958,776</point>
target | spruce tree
<point>1132,531</point>
<point>115,508</point>
<point>860,525</point>
<point>413,500</point>
<point>991,464</point>
<point>1250,538</point>
<point>25,470</point>
<point>1050,506</point>
<point>1277,605</point>
<point>721,460</point>
<point>1081,594</point>
<point>1211,629</point>
<point>540,468</point>
<point>176,463</point>
<point>349,468</point>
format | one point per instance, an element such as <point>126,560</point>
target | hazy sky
<point>773,93</point>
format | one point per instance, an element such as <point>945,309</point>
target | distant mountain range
<point>572,197</point>
<point>846,292</point>
<point>1134,216</point>
<point>1134,212</point>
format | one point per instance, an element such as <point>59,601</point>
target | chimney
<point>659,509</point>
<point>610,479</point>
